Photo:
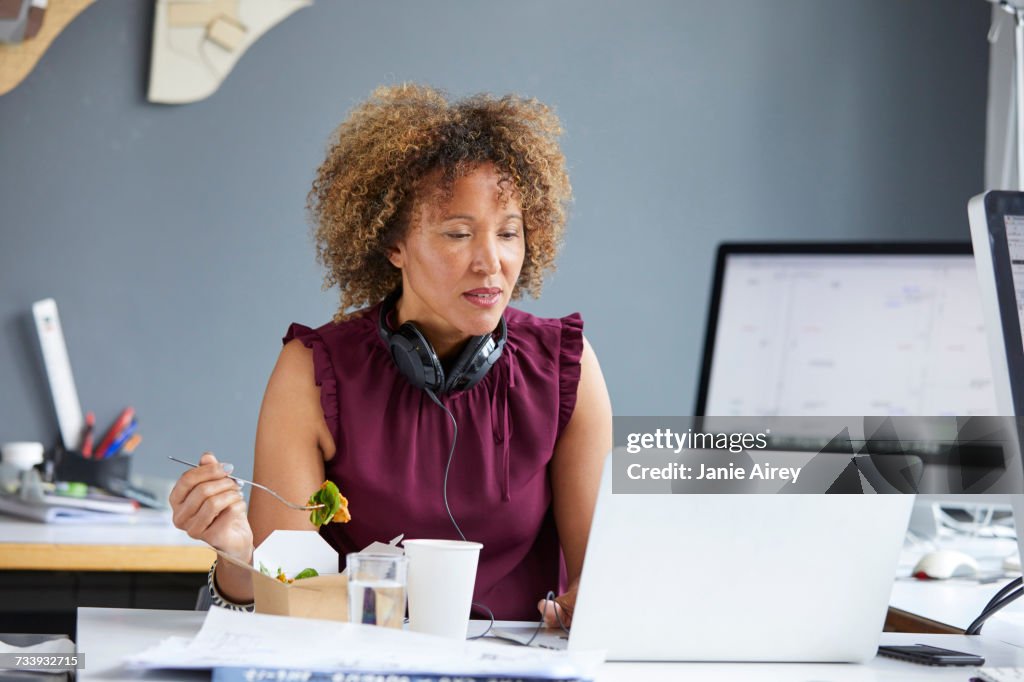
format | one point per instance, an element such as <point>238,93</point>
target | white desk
<point>958,601</point>
<point>31,546</point>
<point>106,635</point>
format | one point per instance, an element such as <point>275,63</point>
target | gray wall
<point>174,241</point>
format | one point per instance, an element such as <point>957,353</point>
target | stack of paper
<point>59,512</point>
<point>35,647</point>
<point>234,639</point>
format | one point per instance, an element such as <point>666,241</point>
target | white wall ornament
<point>196,43</point>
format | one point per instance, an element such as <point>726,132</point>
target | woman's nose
<point>486,259</point>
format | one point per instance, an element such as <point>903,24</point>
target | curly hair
<point>366,193</point>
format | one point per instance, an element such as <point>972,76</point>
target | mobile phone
<point>930,655</point>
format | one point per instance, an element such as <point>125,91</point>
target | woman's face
<point>460,261</point>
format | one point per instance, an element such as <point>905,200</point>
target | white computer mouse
<point>945,563</point>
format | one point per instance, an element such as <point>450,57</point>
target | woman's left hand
<point>560,608</point>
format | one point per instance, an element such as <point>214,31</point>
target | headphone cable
<point>550,597</point>
<point>448,466</point>
<point>447,507</point>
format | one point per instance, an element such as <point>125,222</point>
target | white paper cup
<point>21,455</point>
<point>442,574</point>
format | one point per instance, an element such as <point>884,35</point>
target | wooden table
<point>49,570</point>
<point>136,547</point>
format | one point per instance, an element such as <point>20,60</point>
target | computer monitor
<point>831,329</point>
<point>997,232</point>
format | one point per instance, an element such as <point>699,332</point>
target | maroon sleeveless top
<point>392,445</point>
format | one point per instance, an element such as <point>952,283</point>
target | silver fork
<point>300,507</point>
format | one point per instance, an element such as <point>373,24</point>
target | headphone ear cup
<point>462,373</point>
<point>416,359</point>
<point>476,359</point>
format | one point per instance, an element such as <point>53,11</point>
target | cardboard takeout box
<point>325,596</point>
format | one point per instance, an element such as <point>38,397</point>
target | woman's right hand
<point>210,507</point>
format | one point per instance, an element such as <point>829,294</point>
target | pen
<point>120,440</point>
<point>121,423</point>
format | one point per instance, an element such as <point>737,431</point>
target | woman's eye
<point>457,235</point>
<point>509,235</point>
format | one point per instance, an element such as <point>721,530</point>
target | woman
<point>431,216</point>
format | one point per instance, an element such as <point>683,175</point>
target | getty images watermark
<point>790,455</point>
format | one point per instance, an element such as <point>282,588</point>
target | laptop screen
<point>846,329</point>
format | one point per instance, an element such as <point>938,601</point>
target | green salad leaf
<point>335,505</point>
<point>280,575</point>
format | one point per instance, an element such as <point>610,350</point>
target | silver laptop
<point>736,577</point>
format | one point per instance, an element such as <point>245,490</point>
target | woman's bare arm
<point>576,471</point>
<point>292,442</point>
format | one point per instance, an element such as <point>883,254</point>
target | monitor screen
<point>835,330</point>
<point>997,232</point>
<point>1015,246</point>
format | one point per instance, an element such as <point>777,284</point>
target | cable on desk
<point>550,597</point>
<point>489,625</point>
<point>1004,597</point>
<point>1007,588</point>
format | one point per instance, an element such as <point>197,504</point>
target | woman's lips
<point>483,298</point>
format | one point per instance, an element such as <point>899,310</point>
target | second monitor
<point>845,329</point>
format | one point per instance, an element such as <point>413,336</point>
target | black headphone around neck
<point>418,362</point>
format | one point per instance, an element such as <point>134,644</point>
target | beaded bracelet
<point>218,600</point>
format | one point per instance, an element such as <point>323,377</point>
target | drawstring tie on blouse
<point>501,421</point>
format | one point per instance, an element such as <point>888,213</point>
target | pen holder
<point>102,473</point>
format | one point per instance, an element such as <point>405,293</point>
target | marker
<point>90,425</point>
<point>132,443</point>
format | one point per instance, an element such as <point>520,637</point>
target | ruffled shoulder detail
<point>323,373</point>
<point>569,354</point>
